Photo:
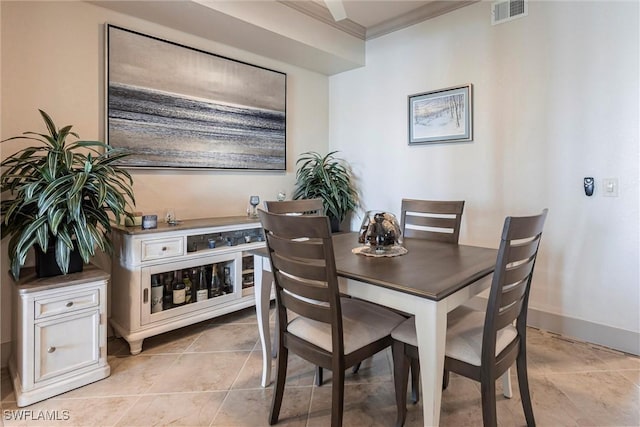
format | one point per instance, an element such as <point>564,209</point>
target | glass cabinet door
<point>175,288</point>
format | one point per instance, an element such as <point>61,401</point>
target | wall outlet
<point>610,187</point>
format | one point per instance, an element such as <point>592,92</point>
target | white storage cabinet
<point>143,256</point>
<point>60,333</point>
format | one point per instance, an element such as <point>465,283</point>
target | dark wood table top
<point>431,270</point>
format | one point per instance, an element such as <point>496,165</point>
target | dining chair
<point>301,206</point>
<point>481,345</point>
<point>328,331</point>
<point>432,219</point>
<point>437,220</point>
<point>295,207</point>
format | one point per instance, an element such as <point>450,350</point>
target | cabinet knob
<point>164,248</point>
<point>51,349</point>
<point>70,303</point>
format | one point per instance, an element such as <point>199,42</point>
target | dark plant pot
<point>335,224</point>
<point>47,266</point>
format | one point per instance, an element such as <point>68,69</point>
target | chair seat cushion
<point>362,323</point>
<point>464,335</point>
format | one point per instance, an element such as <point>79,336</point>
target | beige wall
<point>555,100</point>
<point>53,59</point>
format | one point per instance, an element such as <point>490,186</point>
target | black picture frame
<point>175,106</point>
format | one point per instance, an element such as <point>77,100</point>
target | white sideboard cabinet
<point>156,274</point>
<point>60,331</point>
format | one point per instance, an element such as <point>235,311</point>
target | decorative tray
<point>372,252</point>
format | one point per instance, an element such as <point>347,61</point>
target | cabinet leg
<point>135,347</point>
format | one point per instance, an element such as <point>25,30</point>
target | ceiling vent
<point>508,10</point>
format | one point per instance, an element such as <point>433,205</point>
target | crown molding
<point>322,14</point>
<point>430,10</point>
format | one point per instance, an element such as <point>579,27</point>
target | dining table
<point>428,281</point>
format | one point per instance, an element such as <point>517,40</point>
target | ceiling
<point>367,19</point>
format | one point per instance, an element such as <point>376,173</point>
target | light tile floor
<point>208,374</point>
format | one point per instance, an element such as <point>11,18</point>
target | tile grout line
<point>228,391</point>
<point>128,409</point>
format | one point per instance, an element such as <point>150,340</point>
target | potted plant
<point>328,178</point>
<point>58,197</point>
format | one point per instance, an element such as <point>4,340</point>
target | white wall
<point>53,59</point>
<point>555,100</point>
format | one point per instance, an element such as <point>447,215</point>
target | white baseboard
<point>582,330</point>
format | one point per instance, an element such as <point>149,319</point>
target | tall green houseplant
<point>59,196</point>
<point>328,178</point>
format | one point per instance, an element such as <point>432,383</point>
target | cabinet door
<point>231,262</point>
<point>66,344</point>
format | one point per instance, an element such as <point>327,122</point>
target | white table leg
<point>262,288</point>
<point>431,331</point>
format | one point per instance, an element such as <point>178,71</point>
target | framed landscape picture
<point>443,115</point>
<point>174,106</point>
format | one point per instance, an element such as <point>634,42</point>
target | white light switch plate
<point>610,187</point>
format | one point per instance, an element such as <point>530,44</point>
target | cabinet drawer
<point>162,248</point>
<point>66,303</point>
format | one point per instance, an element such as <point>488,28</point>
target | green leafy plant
<point>62,193</point>
<point>328,178</point>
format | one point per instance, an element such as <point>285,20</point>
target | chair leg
<point>507,390</point>
<point>445,379</point>
<point>488,391</point>
<point>337,397</point>
<point>356,368</point>
<point>278,388</point>
<point>400,379</point>
<point>415,380</point>
<point>319,379</point>
<point>523,384</point>
<point>276,339</point>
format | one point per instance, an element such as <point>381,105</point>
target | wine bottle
<point>215,289</point>
<point>167,282</point>
<point>157,291</point>
<point>227,287</point>
<point>188,287</point>
<point>202,293</point>
<point>178,292</point>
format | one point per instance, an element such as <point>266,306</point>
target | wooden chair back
<point>301,206</point>
<point>509,295</point>
<point>303,265</point>
<point>432,219</point>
